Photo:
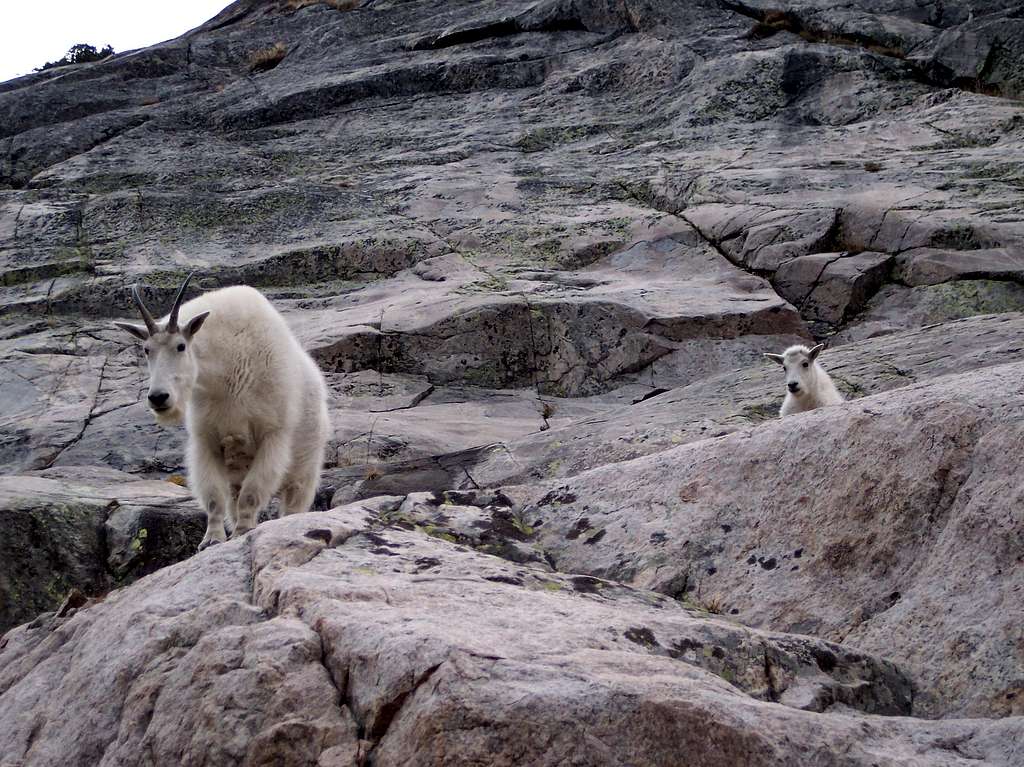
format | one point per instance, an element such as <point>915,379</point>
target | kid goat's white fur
<point>808,386</point>
<point>254,403</point>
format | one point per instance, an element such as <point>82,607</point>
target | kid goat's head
<point>801,373</point>
<point>172,364</point>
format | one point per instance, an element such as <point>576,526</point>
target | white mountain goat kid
<point>808,386</point>
<point>254,403</point>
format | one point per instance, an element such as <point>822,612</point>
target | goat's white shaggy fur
<point>254,405</point>
<point>808,386</point>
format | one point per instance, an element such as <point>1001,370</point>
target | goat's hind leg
<point>298,491</point>
<point>262,481</point>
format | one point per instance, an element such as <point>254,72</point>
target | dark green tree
<point>79,53</point>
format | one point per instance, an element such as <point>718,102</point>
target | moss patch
<point>966,298</point>
<point>540,139</point>
<point>760,411</point>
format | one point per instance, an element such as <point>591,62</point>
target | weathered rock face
<point>90,530</point>
<point>347,643</point>
<point>468,196</point>
<point>729,402</point>
<point>539,248</point>
<point>892,523</point>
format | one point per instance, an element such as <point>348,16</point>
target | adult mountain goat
<point>254,403</point>
<point>808,386</point>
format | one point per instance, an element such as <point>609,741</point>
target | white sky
<point>33,32</point>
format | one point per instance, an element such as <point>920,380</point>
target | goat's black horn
<point>172,320</point>
<point>146,316</point>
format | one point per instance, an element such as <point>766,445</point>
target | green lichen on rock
<point>760,411</point>
<point>139,540</point>
<point>541,139</point>
<point>437,532</point>
<point>69,261</point>
<point>57,588</point>
<point>849,389</point>
<point>492,283</point>
<point>522,527</point>
<point>966,298</point>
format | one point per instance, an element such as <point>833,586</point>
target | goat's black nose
<point>158,398</point>
<point>793,387</point>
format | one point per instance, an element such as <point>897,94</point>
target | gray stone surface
<point>89,530</point>
<point>832,287</point>
<point>539,249</point>
<point>895,307</point>
<point>719,405</point>
<point>890,523</point>
<point>501,220</point>
<point>346,642</point>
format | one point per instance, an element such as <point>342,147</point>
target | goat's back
<point>240,316</point>
<point>245,347</point>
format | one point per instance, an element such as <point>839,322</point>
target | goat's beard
<point>171,417</point>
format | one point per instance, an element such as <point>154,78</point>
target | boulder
<point>89,530</point>
<point>889,523</point>
<point>338,639</point>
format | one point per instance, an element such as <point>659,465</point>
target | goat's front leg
<point>211,489</point>
<point>262,481</point>
<point>233,504</point>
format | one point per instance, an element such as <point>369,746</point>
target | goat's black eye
<point>145,351</point>
<point>181,348</point>
<point>805,364</point>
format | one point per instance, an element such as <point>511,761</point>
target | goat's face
<point>171,358</point>
<point>799,364</point>
<point>172,374</point>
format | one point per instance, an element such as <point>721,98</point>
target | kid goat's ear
<point>193,325</point>
<point>136,330</point>
<point>775,357</point>
<point>816,351</point>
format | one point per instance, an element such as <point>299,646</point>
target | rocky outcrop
<point>86,530</point>
<point>351,643</point>
<point>890,523</point>
<point>718,405</point>
<point>538,249</point>
<point>509,249</point>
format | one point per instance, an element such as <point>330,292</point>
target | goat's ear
<point>775,357</point>
<point>193,325</point>
<point>816,351</point>
<point>136,330</point>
